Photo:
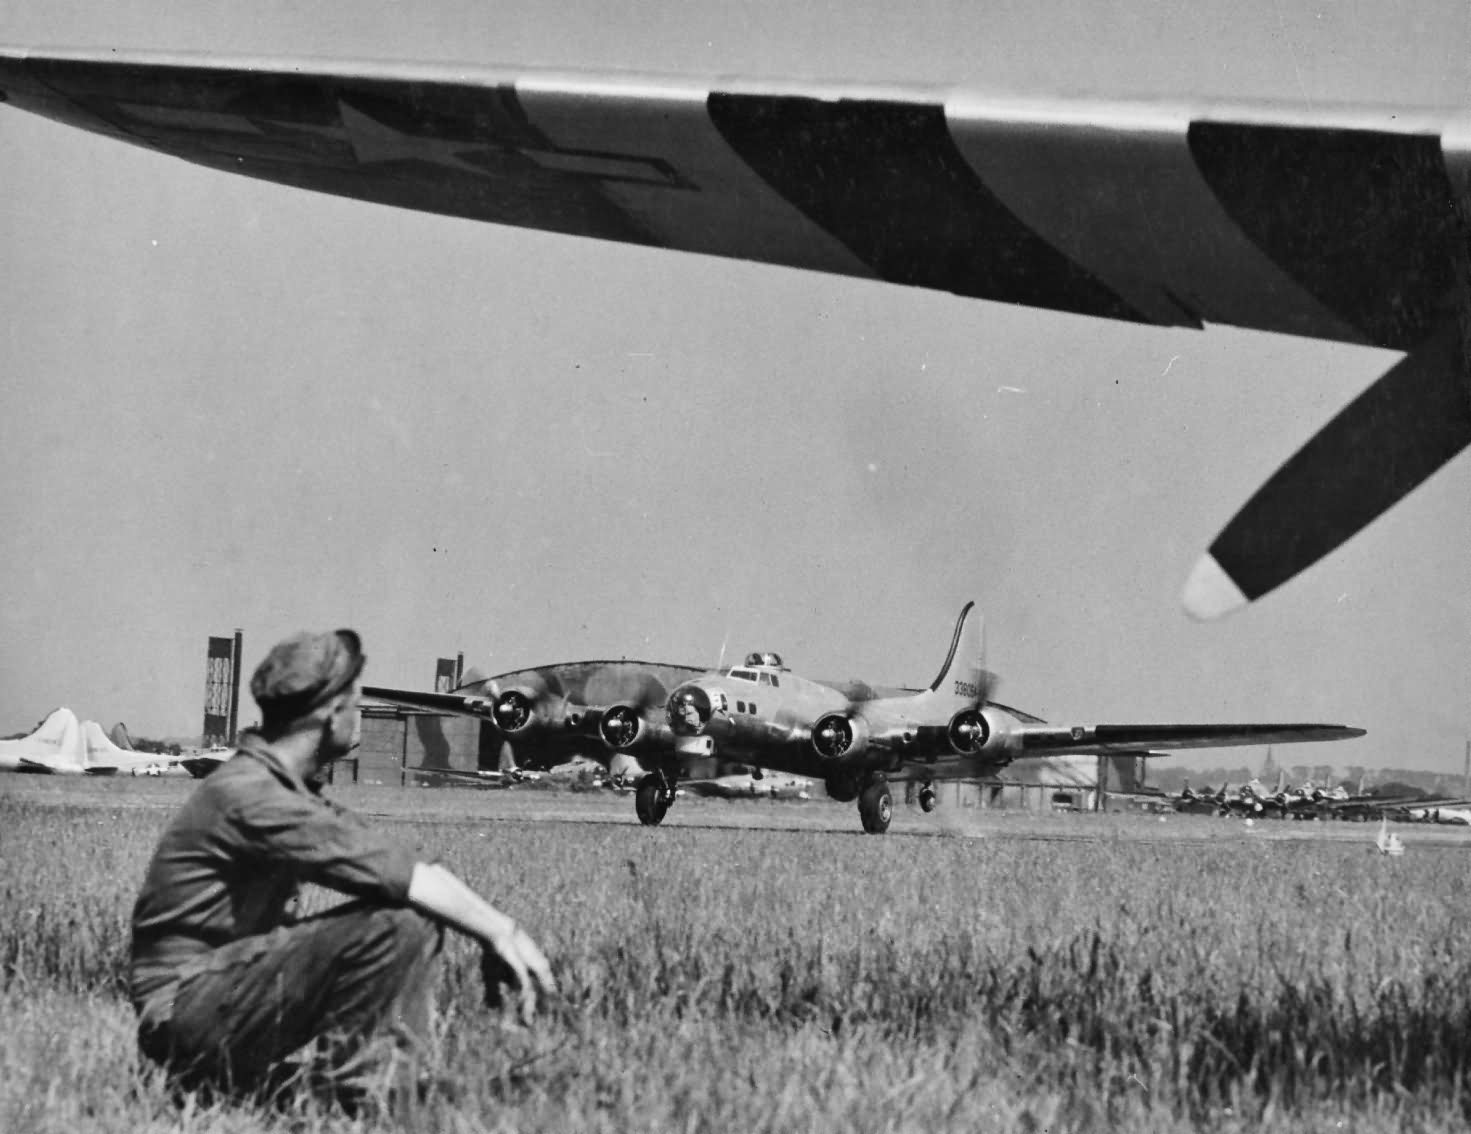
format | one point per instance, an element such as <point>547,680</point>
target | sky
<point>233,404</point>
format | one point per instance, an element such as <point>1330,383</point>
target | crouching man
<point>226,982</point>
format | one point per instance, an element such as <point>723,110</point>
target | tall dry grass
<point>782,980</point>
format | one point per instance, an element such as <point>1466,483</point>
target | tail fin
<point>100,750</point>
<point>57,735</point>
<point>963,679</point>
<point>119,736</point>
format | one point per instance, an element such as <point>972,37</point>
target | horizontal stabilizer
<point>1039,740</point>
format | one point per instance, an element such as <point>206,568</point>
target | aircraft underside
<point>656,792</point>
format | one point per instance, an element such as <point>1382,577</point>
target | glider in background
<point>1332,223</point>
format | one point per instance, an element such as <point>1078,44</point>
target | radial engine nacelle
<point>841,738</point>
<point>520,710</point>
<point>624,729</point>
<point>983,733</point>
<point>849,739</point>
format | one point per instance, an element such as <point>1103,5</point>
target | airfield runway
<point>471,807</point>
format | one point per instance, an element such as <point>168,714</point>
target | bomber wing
<point>1334,223</point>
<point>1048,740</point>
<point>458,704</point>
<point>547,713</point>
<point>487,779</point>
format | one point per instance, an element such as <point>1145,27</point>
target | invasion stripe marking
<point>1381,447</point>
<point>886,179</point>
<point>1118,192</point>
<point>717,205</point>
<point>1364,220</point>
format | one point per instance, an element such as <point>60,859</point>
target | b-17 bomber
<point>649,723</point>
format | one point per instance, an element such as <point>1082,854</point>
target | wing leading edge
<point>1149,739</point>
<point>1340,224</point>
<point>465,705</point>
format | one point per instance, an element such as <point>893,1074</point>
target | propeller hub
<point>620,727</point>
<point>969,731</point>
<point>832,736</point>
<point>512,711</point>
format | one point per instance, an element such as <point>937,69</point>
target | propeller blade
<point>1386,443</point>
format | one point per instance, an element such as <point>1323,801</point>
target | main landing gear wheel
<point>876,807</point>
<point>651,801</point>
<point>927,799</point>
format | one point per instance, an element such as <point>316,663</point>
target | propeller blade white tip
<point>1210,592</point>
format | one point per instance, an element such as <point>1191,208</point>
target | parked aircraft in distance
<point>105,758</point>
<point>1192,802</point>
<point>1343,224</point>
<point>54,748</point>
<point>854,738</point>
<point>63,746</point>
<point>479,777</point>
<point>754,784</point>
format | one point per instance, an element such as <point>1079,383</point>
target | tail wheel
<point>651,801</point>
<point>928,801</point>
<point>876,807</point>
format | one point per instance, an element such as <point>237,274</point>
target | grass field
<point>762,967</point>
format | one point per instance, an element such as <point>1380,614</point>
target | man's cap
<point>304,671</point>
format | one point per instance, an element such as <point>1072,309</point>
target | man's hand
<point>511,959</point>
<point>515,962</point>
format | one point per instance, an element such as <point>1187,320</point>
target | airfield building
<point>396,741</point>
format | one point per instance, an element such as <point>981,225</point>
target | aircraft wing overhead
<point>1331,223</point>
<point>1044,740</point>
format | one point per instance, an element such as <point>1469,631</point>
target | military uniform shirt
<point>233,858</point>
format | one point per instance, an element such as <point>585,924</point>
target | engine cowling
<point>839,737</point>
<point>621,727</point>
<point>968,732</point>
<point>514,711</point>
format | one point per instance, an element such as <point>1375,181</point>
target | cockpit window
<point>743,675</point>
<point>766,679</point>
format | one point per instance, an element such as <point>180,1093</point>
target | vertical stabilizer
<point>57,735</point>
<point>102,753</point>
<point>962,680</point>
<point>55,745</point>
